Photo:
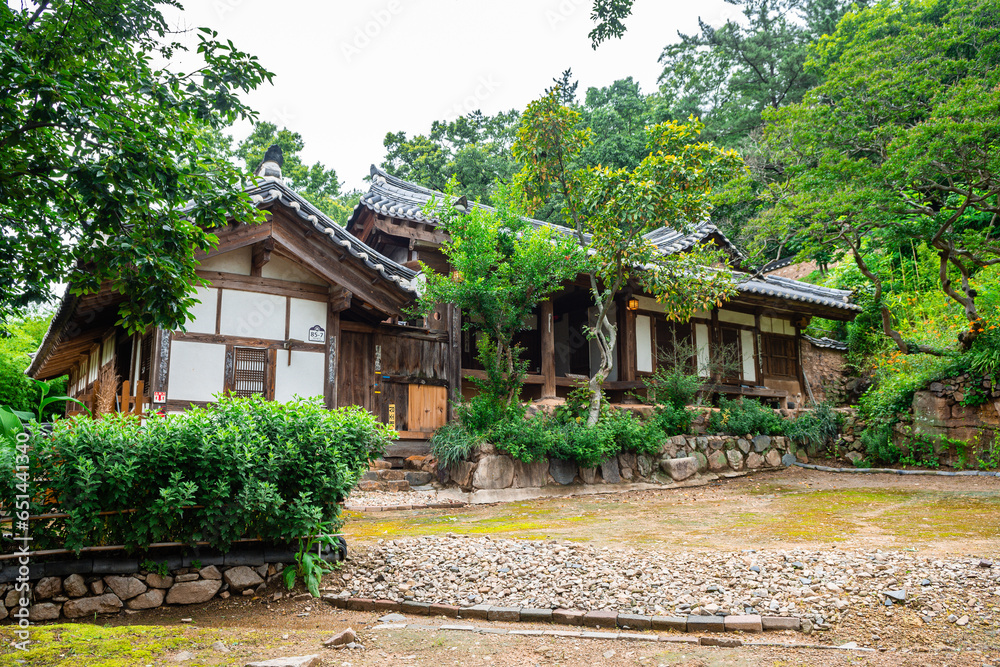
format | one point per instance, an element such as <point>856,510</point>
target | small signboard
<point>317,334</point>
<point>159,397</point>
<point>391,420</point>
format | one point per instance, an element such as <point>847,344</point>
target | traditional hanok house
<point>761,326</point>
<point>295,306</point>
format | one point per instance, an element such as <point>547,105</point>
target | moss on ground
<point>768,512</point>
<point>86,645</point>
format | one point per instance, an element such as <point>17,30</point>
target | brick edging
<point>602,618</point>
<point>414,506</point>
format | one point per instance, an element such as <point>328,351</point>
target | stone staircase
<point>396,475</point>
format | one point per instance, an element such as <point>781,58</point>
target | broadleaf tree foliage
<point>899,141</point>
<point>502,266</point>
<point>102,145</point>
<point>610,210</point>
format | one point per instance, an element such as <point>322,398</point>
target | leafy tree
<point>101,148</point>
<point>25,334</point>
<point>608,17</point>
<point>729,75</point>
<point>898,142</point>
<point>315,182</point>
<point>610,210</point>
<point>475,148</point>
<point>502,267</point>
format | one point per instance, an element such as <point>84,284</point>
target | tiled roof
<point>827,343</point>
<point>776,264</point>
<point>796,290</point>
<point>269,189</point>
<point>670,240</point>
<point>394,197</point>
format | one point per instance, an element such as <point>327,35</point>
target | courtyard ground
<point>924,526</point>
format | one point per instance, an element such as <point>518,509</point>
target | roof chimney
<point>271,165</point>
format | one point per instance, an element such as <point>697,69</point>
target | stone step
<point>388,485</point>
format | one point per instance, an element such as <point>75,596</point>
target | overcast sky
<point>346,73</point>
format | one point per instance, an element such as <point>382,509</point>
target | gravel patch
<point>822,586</point>
<point>388,498</point>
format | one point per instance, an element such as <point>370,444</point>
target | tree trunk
<point>604,332</point>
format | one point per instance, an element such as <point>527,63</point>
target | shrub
<point>877,440</point>
<point>745,417</point>
<point>820,426</point>
<point>673,420</point>
<point>526,439</point>
<point>453,442</point>
<point>252,468</point>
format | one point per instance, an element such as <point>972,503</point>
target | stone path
<point>821,586</point>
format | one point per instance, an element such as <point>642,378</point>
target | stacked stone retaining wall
<point>680,458</point>
<point>86,592</point>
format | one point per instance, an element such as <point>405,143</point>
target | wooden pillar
<point>340,300</point>
<point>546,327</point>
<point>454,354</point>
<point>626,341</point>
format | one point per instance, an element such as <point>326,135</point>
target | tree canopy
<point>611,210</point>
<point>102,146</point>
<point>899,141</point>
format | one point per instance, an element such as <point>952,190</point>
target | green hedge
<point>256,468</point>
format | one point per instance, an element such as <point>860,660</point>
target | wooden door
<point>356,375</point>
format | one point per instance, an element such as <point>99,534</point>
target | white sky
<point>346,73</point>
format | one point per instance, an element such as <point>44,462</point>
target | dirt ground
<point>768,510</point>
<point>795,507</point>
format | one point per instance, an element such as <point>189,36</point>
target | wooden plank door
<point>356,375</point>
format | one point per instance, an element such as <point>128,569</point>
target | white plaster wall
<point>746,348</point>
<point>252,315</point>
<point>701,345</point>
<point>643,344</point>
<point>235,261</point>
<point>303,315</point>
<point>203,313</point>
<point>281,268</point>
<point>777,325</point>
<point>735,317</point>
<point>303,377</point>
<point>197,370</point>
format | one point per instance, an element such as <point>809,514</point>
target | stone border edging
<point>601,618</point>
<point>893,471</point>
<point>727,642</point>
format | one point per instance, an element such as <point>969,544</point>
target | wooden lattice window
<point>780,357</point>
<point>249,371</point>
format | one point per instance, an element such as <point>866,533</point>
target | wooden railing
<point>125,401</point>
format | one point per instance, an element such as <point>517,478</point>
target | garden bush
<point>745,417</point>
<point>249,467</point>
<point>819,427</point>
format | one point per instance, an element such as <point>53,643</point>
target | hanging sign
<point>159,397</point>
<point>391,419</point>
<point>317,334</point>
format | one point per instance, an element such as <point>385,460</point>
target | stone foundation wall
<point>825,369</point>
<point>680,458</point>
<point>965,408</point>
<point>50,598</point>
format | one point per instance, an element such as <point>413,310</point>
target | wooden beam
<point>261,255</point>
<point>395,229</point>
<point>548,350</point>
<point>243,341</point>
<point>321,259</point>
<point>340,300</point>
<point>266,285</point>
<point>238,236</point>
